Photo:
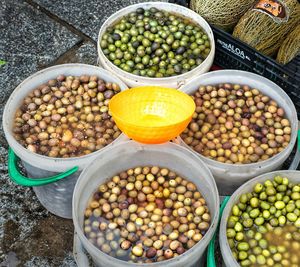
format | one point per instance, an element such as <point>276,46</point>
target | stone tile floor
<point>36,34</point>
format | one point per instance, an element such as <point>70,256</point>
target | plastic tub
<point>228,259</point>
<point>174,82</point>
<point>55,197</point>
<point>230,176</point>
<point>131,154</point>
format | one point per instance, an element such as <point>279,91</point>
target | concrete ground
<point>36,34</point>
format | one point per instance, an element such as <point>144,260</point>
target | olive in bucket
<point>156,43</point>
<point>146,214</point>
<point>237,124</point>
<point>67,117</point>
<point>140,203</point>
<point>244,125</point>
<point>260,225</point>
<point>55,122</point>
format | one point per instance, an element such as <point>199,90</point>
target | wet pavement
<point>36,34</point>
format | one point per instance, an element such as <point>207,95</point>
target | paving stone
<point>86,15</point>
<point>23,220</point>
<point>27,48</point>
<point>29,41</point>
<point>86,53</point>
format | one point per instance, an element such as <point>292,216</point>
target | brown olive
<point>146,214</point>
<point>72,108</point>
<point>236,124</point>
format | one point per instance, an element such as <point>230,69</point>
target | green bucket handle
<point>19,179</point>
<point>211,247</point>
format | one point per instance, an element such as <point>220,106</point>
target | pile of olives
<point>155,43</point>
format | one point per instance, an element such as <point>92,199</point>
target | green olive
<point>270,220</point>
<point>160,35</point>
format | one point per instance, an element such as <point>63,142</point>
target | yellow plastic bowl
<point>152,114</point>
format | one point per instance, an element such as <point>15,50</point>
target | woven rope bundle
<point>222,13</point>
<point>262,32</point>
<point>290,47</point>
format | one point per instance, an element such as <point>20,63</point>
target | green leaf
<point>2,62</point>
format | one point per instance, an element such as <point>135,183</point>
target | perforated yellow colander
<point>152,114</point>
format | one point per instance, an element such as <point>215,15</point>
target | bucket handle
<point>211,247</point>
<point>19,179</point>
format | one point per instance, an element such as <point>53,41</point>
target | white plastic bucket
<point>173,82</point>
<point>230,176</point>
<point>229,260</point>
<point>55,197</point>
<point>131,154</point>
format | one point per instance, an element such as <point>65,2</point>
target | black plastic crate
<point>234,54</point>
<point>231,53</point>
